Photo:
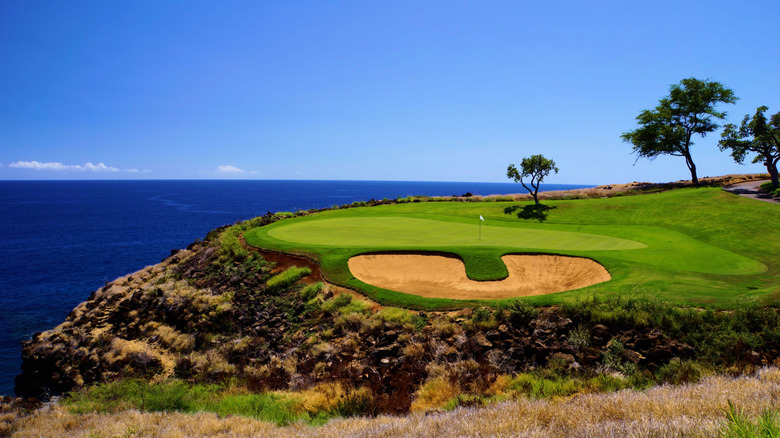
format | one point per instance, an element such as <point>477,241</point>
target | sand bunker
<point>436,276</point>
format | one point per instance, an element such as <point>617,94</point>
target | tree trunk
<point>692,168</point>
<point>686,152</point>
<point>772,168</point>
<point>694,178</point>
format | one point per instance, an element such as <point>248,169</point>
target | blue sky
<point>365,90</point>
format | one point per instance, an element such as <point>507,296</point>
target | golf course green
<point>699,246</point>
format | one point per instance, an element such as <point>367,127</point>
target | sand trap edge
<point>443,275</point>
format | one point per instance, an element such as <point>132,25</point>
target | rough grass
<point>287,278</point>
<point>701,410</point>
<point>281,408</point>
<point>702,246</point>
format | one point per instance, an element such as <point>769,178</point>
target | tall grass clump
<point>403,317</point>
<point>739,425</point>
<point>286,278</point>
<point>311,291</point>
<point>336,303</point>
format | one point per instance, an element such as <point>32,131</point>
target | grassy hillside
<point>699,246</point>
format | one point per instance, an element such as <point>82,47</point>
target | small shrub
<point>483,318</point>
<point>443,327</point>
<point>414,350</point>
<point>434,394</point>
<point>678,372</point>
<point>482,314</point>
<point>321,349</point>
<point>613,355</point>
<point>520,312</point>
<point>355,306</point>
<point>579,338</point>
<point>355,402</point>
<point>351,322</point>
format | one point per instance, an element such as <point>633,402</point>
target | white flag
<point>481,218</point>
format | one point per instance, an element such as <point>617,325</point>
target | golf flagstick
<point>481,219</point>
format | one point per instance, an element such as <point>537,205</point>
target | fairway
<point>392,232</point>
<point>700,246</point>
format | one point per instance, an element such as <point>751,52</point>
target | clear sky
<point>365,90</point>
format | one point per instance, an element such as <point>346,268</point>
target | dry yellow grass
<point>613,189</point>
<point>695,411</point>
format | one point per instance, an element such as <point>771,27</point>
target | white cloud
<point>229,169</point>
<point>99,167</point>
<point>53,165</point>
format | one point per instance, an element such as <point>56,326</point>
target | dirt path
<point>750,190</point>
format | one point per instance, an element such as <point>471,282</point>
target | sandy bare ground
<point>436,276</point>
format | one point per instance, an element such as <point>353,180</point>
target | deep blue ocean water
<point>61,240</point>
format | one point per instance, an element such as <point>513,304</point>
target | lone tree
<point>689,109</point>
<point>535,167</point>
<point>758,136</point>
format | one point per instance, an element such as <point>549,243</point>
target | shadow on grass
<point>530,212</point>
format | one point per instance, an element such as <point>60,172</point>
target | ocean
<point>61,240</point>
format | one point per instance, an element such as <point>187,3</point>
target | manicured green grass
<point>698,246</point>
<point>394,231</point>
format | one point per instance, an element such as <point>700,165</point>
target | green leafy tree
<point>755,135</point>
<point>535,167</point>
<point>668,129</point>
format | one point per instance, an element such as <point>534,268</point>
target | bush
<point>287,278</point>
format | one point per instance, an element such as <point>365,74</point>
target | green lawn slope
<point>700,246</point>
